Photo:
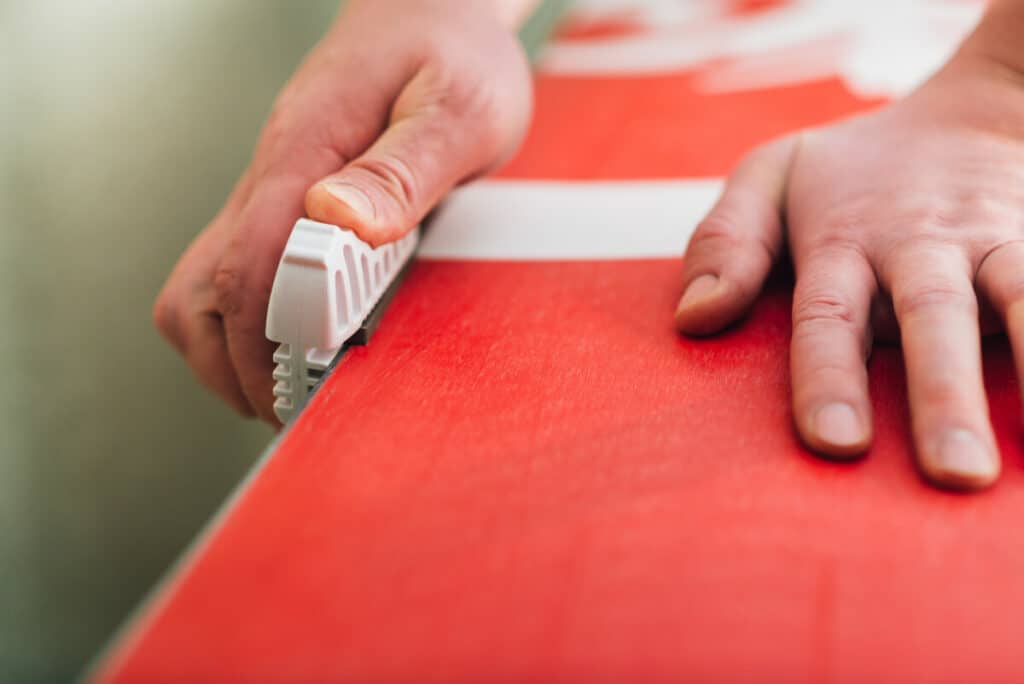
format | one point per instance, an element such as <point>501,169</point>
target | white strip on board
<point>876,48</point>
<point>536,220</point>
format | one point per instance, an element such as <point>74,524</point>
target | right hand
<point>399,103</point>
<point>901,224</point>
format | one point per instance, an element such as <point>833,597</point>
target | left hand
<point>905,215</point>
<point>399,102</point>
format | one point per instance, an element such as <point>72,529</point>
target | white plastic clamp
<point>326,285</point>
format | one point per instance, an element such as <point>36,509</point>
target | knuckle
<point>949,220</point>
<point>467,100</point>
<point>932,296</point>
<point>925,219</point>
<point>766,152</point>
<point>768,248</point>
<point>277,131</point>
<point>500,121</point>
<point>466,97</point>
<point>227,284</point>
<point>277,123</point>
<point>166,318</point>
<point>296,139</point>
<point>972,208</point>
<point>392,175</point>
<point>835,246</point>
<point>831,369</point>
<point>766,161</point>
<point>931,217</point>
<point>717,231</point>
<point>722,228</point>
<point>822,309</point>
<point>843,223</point>
<point>823,380</point>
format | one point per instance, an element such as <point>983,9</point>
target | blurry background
<point>124,125</point>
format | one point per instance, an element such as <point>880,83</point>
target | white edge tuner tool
<point>330,289</point>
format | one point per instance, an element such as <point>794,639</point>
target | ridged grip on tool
<point>327,283</point>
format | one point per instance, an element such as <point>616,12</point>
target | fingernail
<point>960,452</point>
<point>356,200</point>
<point>699,289</point>
<point>839,425</point>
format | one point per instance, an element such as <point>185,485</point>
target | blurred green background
<point>125,124</point>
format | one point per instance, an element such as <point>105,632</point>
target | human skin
<point>898,222</point>
<point>901,223</point>
<point>397,104</point>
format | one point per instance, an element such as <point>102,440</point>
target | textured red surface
<point>506,489</point>
<point>662,126</point>
<point>527,476</point>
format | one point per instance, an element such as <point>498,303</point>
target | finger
<point>829,349</point>
<point>736,244</point>
<point>193,273</point>
<point>207,355</point>
<point>432,143</point>
<point>937,311</point>
<point>243,280</point>
<point>316,124</point>
<point>1000,279</point>
<point>290,157</point>
<point>186,311</point>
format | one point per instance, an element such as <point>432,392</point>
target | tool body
<point>329,292</point>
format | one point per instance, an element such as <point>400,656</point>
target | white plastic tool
<point>326,286</point>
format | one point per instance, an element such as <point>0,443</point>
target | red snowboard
<point>528,476</point>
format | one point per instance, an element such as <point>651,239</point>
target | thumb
<point>434,141</point>
<point>735,246</point>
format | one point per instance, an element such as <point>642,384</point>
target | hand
<point>397,104</point>
<point>906,215</point>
